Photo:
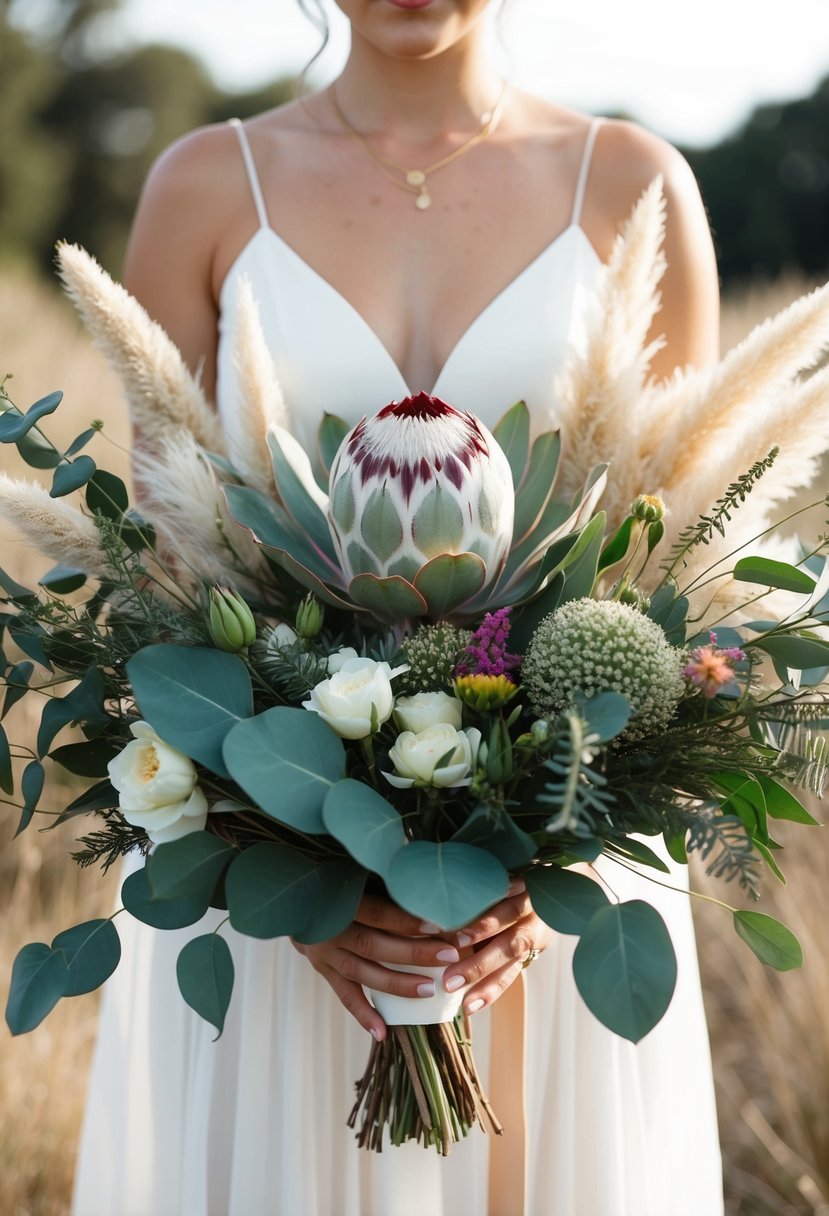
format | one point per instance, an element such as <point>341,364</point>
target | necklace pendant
<point>423,201</point>
<point>415,177</point>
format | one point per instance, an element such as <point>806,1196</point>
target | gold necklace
<point>415,181</point>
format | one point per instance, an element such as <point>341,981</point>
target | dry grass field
<point>770,1034</point>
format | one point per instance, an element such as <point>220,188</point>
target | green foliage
<point>204,969</point>
<point>190,866</point>
<point>93,951</point>
<point>270,891</point>
<point>40,977</point>
<point>772,942</point>
<point>137,898</point>
<point>447,884</point>
<point>625,968</point>
<point>564,899</point>
<point>287,761</point>
<point>368,826</point>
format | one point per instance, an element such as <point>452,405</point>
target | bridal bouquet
<point>419,666</point>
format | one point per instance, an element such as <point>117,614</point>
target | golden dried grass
<point>769,1034</point>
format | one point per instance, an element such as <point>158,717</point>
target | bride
<point>416,225</point>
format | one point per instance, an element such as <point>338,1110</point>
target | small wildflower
<point>484,692</point>
<point>486,653</point>
<point>711,667</point>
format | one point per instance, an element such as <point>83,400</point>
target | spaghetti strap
<point>585,169</point>
<point>250,166</point>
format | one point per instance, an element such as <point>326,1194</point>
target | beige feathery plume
<point>259,404</point>
<point>701,410</point>
<point>182,498</point>
<point>52,526</point>
<point>600,393</point>
<point>163,396</point>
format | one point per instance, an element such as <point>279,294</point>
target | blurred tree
<point>767,190</point>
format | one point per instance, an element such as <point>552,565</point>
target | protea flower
<point>428,513</point>
<point>416,481</point>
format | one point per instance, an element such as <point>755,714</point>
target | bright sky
<point>691,72</point>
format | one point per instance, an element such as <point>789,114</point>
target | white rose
<point>359,692</point>
<point>157,787</point>
<point>427,709</point>
<point>343,655</point>
<point>416,756</point>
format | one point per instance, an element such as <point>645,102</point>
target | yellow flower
<point>482,693</point>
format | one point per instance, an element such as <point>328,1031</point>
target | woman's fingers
<point>495,985</point>
<point>381,913</point>
<point>505,952</point>
<point>355,1001</point>
<point>374,975</point>
<point>497,918</point>
<point>390,948</point>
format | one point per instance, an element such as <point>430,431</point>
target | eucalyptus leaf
<point>447,884</point>
<point>17,684</point>
<point>287,761</point>
<point>606,715</point>
<point>40,977</point>
<point>564,899</point>
<point>340,887</point>
<point>14,425</point>
<point>63,580</point>
<point>189,866</point>
<point>85,703</point>
<point>625,968</point>
<point>31,785</point>
<point>6,771</point>
<point>271,890</point>
<point>369,827</point>
<point>107,493</point>
<point>635,850</point>
<point>494,829</point>
<point>772,942</point>
<point>205,973</point>
<point>782,804</point>
<point>796,650</point>
<point>81,441</point>
<point>137,898</point>
<point>93,951</point>
<point>87,759</point>
<point>192,696</point>
<point>70,476</point>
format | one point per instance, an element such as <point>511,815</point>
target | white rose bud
<point>416,757</point>
<point>425,709</point>
<point>157,787</point>
<point>357,699</point>
<point>336,660</point>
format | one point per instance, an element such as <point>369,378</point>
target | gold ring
<point>532,955</point>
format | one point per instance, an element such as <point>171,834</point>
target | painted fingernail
<point>464,939</point>
<point>376,1034</point>
<point>427,926</point>
<point>474,1006</point>
<point>449,955</point>
<point>454,983</point>
<point>427,988</point>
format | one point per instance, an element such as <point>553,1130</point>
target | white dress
<point>254,1124</point>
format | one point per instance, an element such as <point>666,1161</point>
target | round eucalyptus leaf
<point>563,899</point>
<point>93,951</point>
<point>365,823</point>
<point>191,865</point>
<point>40,977</point>
<point>338,895</point>
<point>270,890</point>
<point>137,898</point>
<point>447,884</point>
<point>625,968</point>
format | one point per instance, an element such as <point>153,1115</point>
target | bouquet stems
<point>421,1082</point>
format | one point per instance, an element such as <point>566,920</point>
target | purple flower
<point>486,653</point>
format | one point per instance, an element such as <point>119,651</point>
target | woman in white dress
<point>467,280</point>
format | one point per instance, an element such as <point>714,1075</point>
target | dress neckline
<point>405,390</point>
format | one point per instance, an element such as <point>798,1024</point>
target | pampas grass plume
<point>163,396</point>
<point>259,404</point>
<point>52,526</point>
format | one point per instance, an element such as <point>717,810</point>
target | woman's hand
<point>380,930</point>
<point>502,940</point>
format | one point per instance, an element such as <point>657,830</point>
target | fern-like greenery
<point>703,530</point>
<point>577,792</point>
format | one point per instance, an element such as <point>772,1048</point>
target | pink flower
<point>710,667</point>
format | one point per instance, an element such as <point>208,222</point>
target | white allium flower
<point>592,646</point>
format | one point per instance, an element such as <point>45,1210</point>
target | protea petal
<point>298,491</point>
<point>449,581</point>
<point>390,599</point>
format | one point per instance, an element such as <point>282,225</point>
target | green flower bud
<point>309,617</point>
<point>230,621</point>
<point>647,508</point>
<point>499,755</point>
<point>540,731</point>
